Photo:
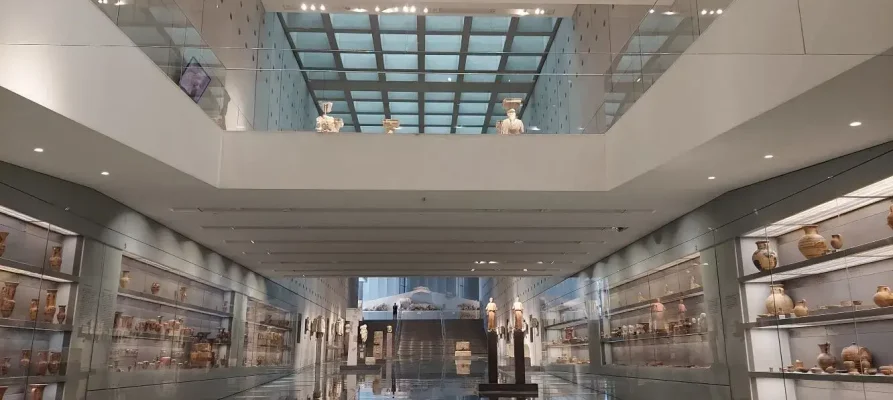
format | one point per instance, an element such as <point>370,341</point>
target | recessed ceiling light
<point>322,7</point>
<point>449,79</point>
<point>405,9</point>
<point>359,10</point>
<point>711,177</point>
<point>252,242</point>
<point>38,150</point>
<point>719,10</point>
<point>472,270</point>
<point>412,9</point>
<point>313,7</point>
<point>377,9</point>
<point>704,12</point>
<point>539,262</point>
<point>651,11</point>
<point>425,10</point>
<point>303,7</point>
<point>856,123</point>
<point>768,156</point>
<point>104,173</point>
<point>669,13</point>
<point>525,269</point>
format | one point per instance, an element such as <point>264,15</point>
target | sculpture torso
<point>511,126</point>
<point>327,124</point>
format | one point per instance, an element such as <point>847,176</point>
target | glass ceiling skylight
<point>436,74</point>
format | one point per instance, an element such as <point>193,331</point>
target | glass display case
<point>39,269</point>
<point>166,321</point>
<point>566,311</point>
<point>268,335</point>
<point>658,318</point>
<point>817,299</point>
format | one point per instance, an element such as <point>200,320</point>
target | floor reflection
<point>446,379</point>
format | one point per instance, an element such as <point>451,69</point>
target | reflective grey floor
<point>410,379</point>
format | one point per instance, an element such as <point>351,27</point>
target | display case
<point>658,318</point>
<point>565,323</point>
<point>269,332</point>
<point>166,321</point>
<point>39,269</point>
<point>818,310</point>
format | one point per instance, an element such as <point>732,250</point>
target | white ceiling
<point>394,233</point>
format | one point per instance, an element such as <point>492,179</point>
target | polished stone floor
<point>410,379</point>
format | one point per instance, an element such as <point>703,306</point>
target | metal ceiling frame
<point>420,86</point>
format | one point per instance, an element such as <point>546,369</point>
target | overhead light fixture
<point>768,156</point>
<point>104,173</point>
<point>359,10</point>
<point>493,262</point>
<point>38,150</point>
<point>711,177</point>
<point>472,270</point>
<point>535,129</point>
<point>638,79</point>
<point>405,8</point>
<point>525,269</point>
<point>539,262</point>
<point>303,7</point>
<point>449,79</point>
<point>704,12</point>
<point>719,10</point>
<point>669,13</point>
<point>425,10</point>
<point>856,123</point>
<point>377,9</point>
<point>322,7</point>
<point>412,9</point>
<point>252,241</point>
<point>390,10</point>
<point>712,12</point>
<point>313,7</point>
<point>651,11</point>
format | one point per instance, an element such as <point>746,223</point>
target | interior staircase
<point>470,330</point>
<point>421,340</point>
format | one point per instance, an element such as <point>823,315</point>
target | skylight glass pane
<point>401,77</point>
<point>491,129</point>
<point>473,108</point>
<point>368,107</point>
<point>437,130</point>
<point>396,22</point>
<point>482,63</point>
<point>530,44</point>
<point>474,96</point>
<point>444,120</point>
<point>365,95</point>
<point>401,61</point>
<point>443,43</point>
<point>444,23</point>
<point>404,107</point>
<point>403,96</point>
<point>354,41</point>
<point>303,20</point>
<point>399,42</point>
<point>370,119</point>
<point>471,120</point>
<point>354,60</point>
<point>473,77</point>
<point>310,40</point>
<point>348,128</point>
<point>440,96</point>
<point>322,75</point>
<point>499,110</point>
<point>501,96</point>
<point>339,106</point>
<point>407,119</point>
<point>329,94</point>
<point>486,44</point>
<point>317,60</point>
<point>523,63</point>
<point>536,24</point>
<point>441,62</point>
<point>350,21</point>
<point>469,130</point>
<point>490,24</point>
<point>440,77</point>
<point>362,76</point>
<point>372,129</point>
<point>440,108</point>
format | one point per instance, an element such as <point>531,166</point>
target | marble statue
<point>326,123</point>
<point>518,310</point>
<point>491,315</point>
<point>390,125</point>
<point>364,333</point>
<point>390,329</point>
<point>511,125</point>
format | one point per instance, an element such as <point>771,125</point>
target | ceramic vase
<point>7,298</point>
<point>836,242</point>
<point>799,367</point>
<point>764,258</point>
<point>801,310</point>
<point>856,354</point>
<point>778,303</point>
<point>3,236</point>
<point>55,362</point>
<point>883,297</point>
<point>32,310</point>
<point>4,367</point>
<point>125,279</point>
<point>35,391</point>
<point>25,361</point>
<point>825,359</point>
<point>890,218</point>
<point>42,362</point>
<point>156,287</point>
<point>812,244</point>
<point>56,259</point>
<point>61,315</point>
<point>49,311</point>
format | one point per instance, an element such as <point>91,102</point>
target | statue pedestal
<point>517,389</point>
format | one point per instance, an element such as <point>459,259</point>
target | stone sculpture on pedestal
<point>390,125</point>
<point>511,125</point>
<point>326,123</point>
<point>518,310</point>
<point>491,315</point>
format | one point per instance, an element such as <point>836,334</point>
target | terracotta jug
<point>61,315</point>
<point>764,258</point>
<point>3,236</point>
<point>32,311</point>
<point>883,297</point>
<point>801,310</point>
<point>825,359</point>
<point>856,354</point>
<point>50,310</point>
<point>799,367</point>
<point>25,362</point>
<point>812,244</point>
<point>156,287</point>
<point>890,218</point>
<point>7,298</point>
<point>4,367</point>
<point>35,391</point>
<point>56,259</point>
<point>42,362</point>
<point>55,362</point>
<point>778,303</point>
<point>125,279</point>
<point>836,241</point>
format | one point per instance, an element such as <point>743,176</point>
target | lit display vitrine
<point>268,335</point>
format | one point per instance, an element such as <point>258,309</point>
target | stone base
<point>370,360</point>
<point>463,354</point>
